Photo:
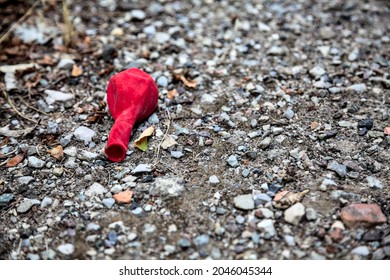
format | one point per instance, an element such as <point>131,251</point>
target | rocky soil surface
<point>271,137</point>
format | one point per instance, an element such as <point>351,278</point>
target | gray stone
<point>84,133</point>
<point>379,254</point>
<point>53,96</point>
<point>6,198</point>
<point>153,119</point>
<point>340,169</point>
<point>149,228</point>
<point>52,127</point>
<point>327,32</point>
<point>265,142</point>
<point>317,71</point>
<point>363,251</point>
<point>58,171</point>
<point>289,113</point>
<point>25,180</point>
<point>66,249</point>
<point>35,162</point>
<point>261,198</point>
<point>176,154</point>
<point>138,14</point>
<point>95,190</point>
<point>374,182</point>
<point>201,240</point>
<point>86,155</point>
<point>294,214</point>
<point>108,202</point>
<point>245,173</point>
<point>65,140</point>
<point>267,226</point>
<point>232,161</point>
<point>162,37</point>
<point>244,202</point>
<point>46,201</point>
<point>141,168</point>
<point>311,214</point>
<point>65,63</point>
<point>71,151</point>
<point>213,179</point>
<point>359,88</point>
<point>327,182</point>
<point>71,163</point>
<point>26,205</point>
<point>170,187</point>
<point>162,81</point>
<point>337,194</point>
<point>290,240</point>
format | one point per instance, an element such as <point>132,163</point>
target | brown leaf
<point>15,160</point>
<point>142,141</point>
<point>57,152</point>
<point>187,83</point>
<point>286,198</point>
<point>76,71</point>
<point>45,61</point>
<point>172,93</point>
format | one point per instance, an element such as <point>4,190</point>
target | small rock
<point>265,142</point>
<point>366,123</point>
<point>244,202</point>
<point>52,127</point>
<point>25,180</point>
<point>326,32</point>
<point>141,168</point>
<point>374,182</point>
<point>363,251</point>
<point>109,52</point>
<point>317,71</point>
<point>176,154</point>
<point>184,243</point>
<point>162,37</point>
<point>170,187</point>
<point>340,169</point>
<point>360,214</point>
<point>201,240</point>
<point>71,163</point>
<point>289,113</point>
<point>267,226</point>
<point>123,197</point>
<point>290,240</point>
<point>6,198</point>
<point>46,201</point>
<point>26,205</point>
<point>84,133</point>
<point>66,249</point>
<point>311,214</point>
<point>261,198</point>
<point>149,228</point>
<point>35,162</point>
<point>138,14</point>
<point>327,182</point>
<point>162,81</point>
<point>65,140</point>
<point>86,155</point>
<point>58,171</point>
<point>54,96</point>
<point>379,254</point>
<point>213,179</point>
<point>108,202</point>
<point>65,63</point>
<point>117,32</point>
<point>95,190</point>
<point>294,214</point>
<point>359,88</point>
<point>232,161</point>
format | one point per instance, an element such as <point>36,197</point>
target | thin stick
<point>165,135</point>
<point>14,108</point>
<point>32,107</point>
<point>13,27</point>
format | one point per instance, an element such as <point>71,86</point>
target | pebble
<point>363,251</point>
<point>65,63</point>
<point>53,96</point>
<point>267,226</point>
<point>153,119</point>
<point>359,88</point>
<point>317,71</point>
<point>52,127</point>
<point>6,198</point>
<point>46,201</point>
<point>149,228</point>
<point>71,163</point>
<point>290,240</point>
<point>374,182</point>
<point>25,180</point>
<point>294,214</point>
<point>170,187</point>
<point>109,52</point>
<point>26,205</point>
<point>289,113</point>
<point>132,236</point>
<point>162,37</point>
<point>176,154</point>
<point>326,33</point>
<point>359,214</point>
<point>232,161</point>
<point>138,14</point>
<point>245,173</point>
<point>221,211</point>
<point>266,213</point>
<point>108,202</point>
<point>123,197</point>
<point>58,171</point>
<point>201,240</point>
<point>141,168</point>
<point>326,183</point>
<point>93,227</point>
<point>379,254</point>
<point>66,249</point>
<point>95,190</point>
<point>265,142</point>
<point>261,198</point>
<point>184,243</point>
<point>86,155</point>
<point>311,214</point>
<point>340,169</point>
<point>366,123</point>
<point>84,133</point>
<point>35,162</point>
<point>244,202</point>
<point>162,81</point>
<point>213,180</point>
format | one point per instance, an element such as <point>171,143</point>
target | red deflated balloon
<point>132,96</point>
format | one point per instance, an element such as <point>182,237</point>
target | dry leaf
<point>288,199</point>
<point>46,60</point>
<point>57,152</point>
<point>314,125</point>
<point>5,131</point>
<point>142,141</point>
<point>187,83</point>
<point>168,142</point>
<point>172,93</point>
<point>76,71</point>
<point>15,160</point>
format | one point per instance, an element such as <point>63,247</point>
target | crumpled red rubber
<point>132,96</point>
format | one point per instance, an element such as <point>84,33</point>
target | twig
<point>14,108</point>
<point>162,140</point>
<point>32,107</point>
<point>13,27</point>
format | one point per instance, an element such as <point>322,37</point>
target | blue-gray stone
<point>5,199</point>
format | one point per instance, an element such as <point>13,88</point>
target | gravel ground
<point>271,136</point>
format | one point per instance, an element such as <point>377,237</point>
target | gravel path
<point>271,137</point>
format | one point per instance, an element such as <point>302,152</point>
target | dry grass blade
<point>69,33</point>
<point>14,108</point>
